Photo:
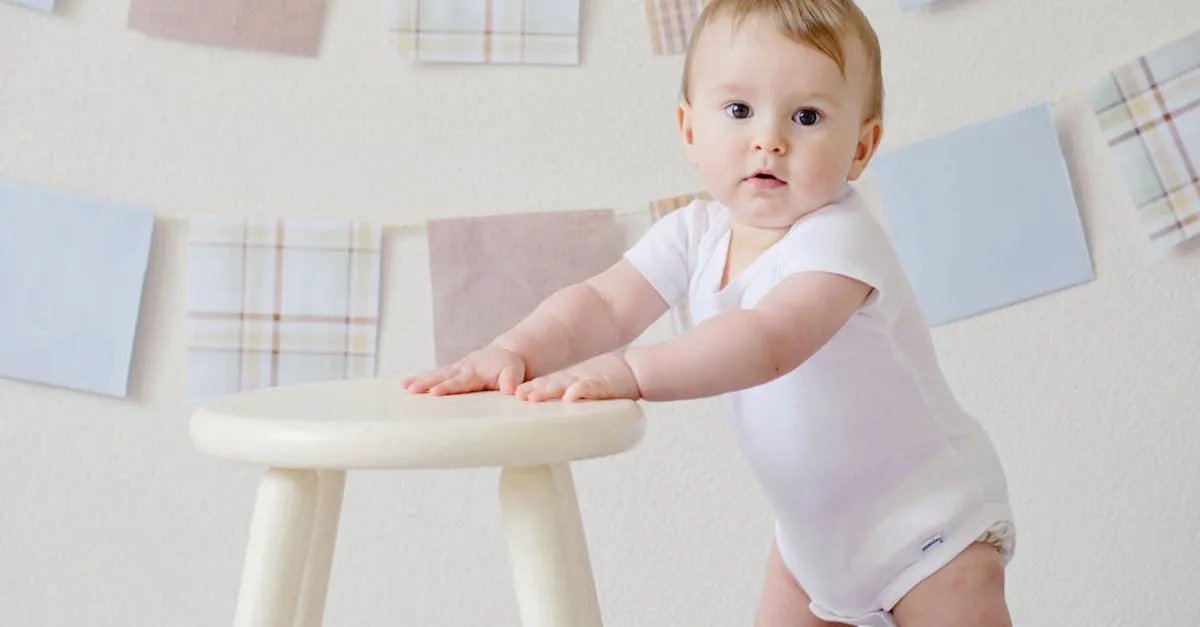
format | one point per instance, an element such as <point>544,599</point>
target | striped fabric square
<point>280,301</point>
<point>671,22</point>
<point>1149,112</point>
<point>680,314</point>
<point>663,206</point>
<point>534,32</point>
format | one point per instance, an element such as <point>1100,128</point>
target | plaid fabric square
<point>490,272</point>
<point>280,301</point>
<point>671,23</point>
<point>535,32</point>
<point>1149,112</point>
<point>680,314</point>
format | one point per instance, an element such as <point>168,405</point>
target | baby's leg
<point>784,603</point>
<point>967,591</point>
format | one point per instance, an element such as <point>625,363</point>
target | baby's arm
<point>748,347</point>
<point>584,320</point>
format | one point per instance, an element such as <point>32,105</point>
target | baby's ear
<point>869,136</point>
<point>684,117</point>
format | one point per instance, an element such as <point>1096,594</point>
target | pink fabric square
<point>490,272</point>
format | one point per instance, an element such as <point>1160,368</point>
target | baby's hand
<point>489,368</point>
<point>604,377</point>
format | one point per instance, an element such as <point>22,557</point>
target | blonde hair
<point>822,24</point>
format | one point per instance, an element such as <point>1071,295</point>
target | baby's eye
<point>807,117</point>
<point>737,110</point>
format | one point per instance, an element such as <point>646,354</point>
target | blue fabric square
<point>71,276</point>
<point>984,217</point>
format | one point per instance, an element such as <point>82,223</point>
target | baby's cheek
<point>718,169</point>
<point>809,168</point>
<point>819,178</point>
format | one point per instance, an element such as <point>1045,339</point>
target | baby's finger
<point>422,382</point>
<point>533,384</point>
<point>542,389</point>
<point>547,394</point>
<point>461,384</point>
<point>523,389</point>
<point>527,388</point>
<point>507,381</point>
<point>586,389</point>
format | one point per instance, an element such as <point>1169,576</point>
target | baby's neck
<point>754,240</point>
<point>746,243</point>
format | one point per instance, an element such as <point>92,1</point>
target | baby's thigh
<point>967,591</point>
<point>784,603</point>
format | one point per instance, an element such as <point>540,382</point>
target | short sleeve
<point>846,240</point>
<point>665,253</point>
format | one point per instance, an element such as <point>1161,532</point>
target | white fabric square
<point>308,306</point>
<point>308,278</point>
<point>551,17</point>
<point>452,15</point>
<point>488,31</point>
<point>209,290</point>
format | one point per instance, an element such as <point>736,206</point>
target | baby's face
<point>773,126</point>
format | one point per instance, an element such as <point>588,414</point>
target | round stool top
<point>375,423</point>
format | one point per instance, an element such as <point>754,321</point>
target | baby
<point>891,504</point>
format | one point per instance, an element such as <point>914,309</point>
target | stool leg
<point>280,532</point>
<point>587,605</point>
<point>546,548</point>
<point>310,611</point>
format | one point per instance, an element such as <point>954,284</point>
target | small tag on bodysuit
<point>930,543</point>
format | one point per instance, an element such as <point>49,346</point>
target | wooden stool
<point>309,435</point>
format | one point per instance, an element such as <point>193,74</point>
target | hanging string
<point>419,227</point>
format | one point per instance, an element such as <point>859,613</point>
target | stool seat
<point>375,423</point>
<point>309,435</point>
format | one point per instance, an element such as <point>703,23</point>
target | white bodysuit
<point>877,476</point>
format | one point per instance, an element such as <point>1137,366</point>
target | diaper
<point>998,534</point>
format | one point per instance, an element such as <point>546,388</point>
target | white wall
<point>107,517</point>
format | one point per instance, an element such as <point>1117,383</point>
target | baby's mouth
<point>765,178</point>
